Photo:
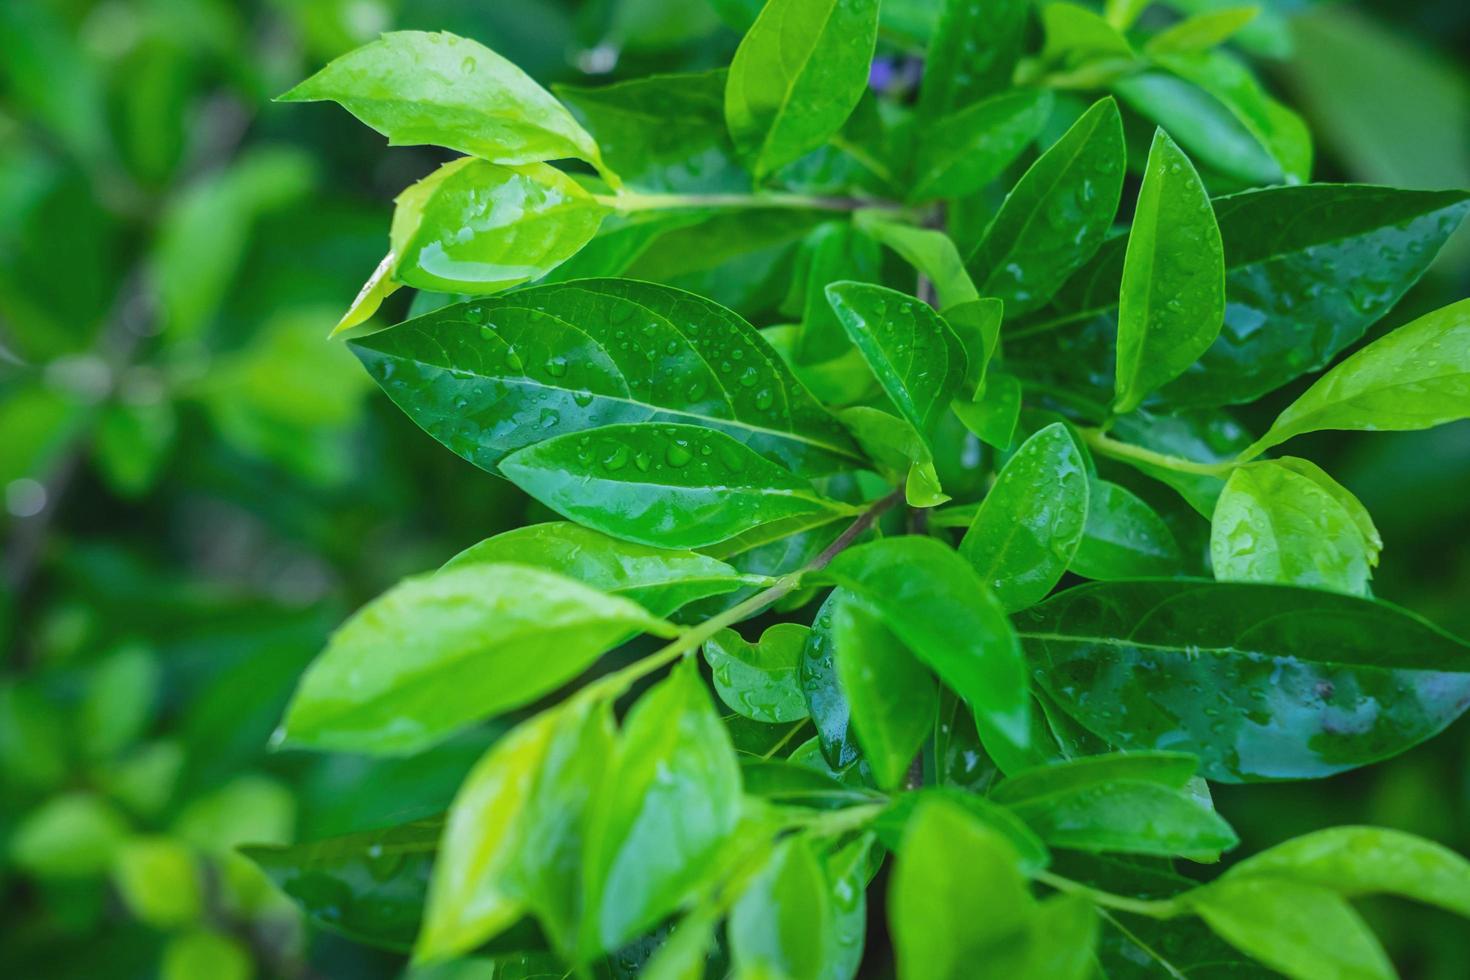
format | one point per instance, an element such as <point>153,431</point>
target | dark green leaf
<point>1032,519</point>
<point>825,701</point>
<point>962,152</point>
<point>994,415</point>
<point>1169,769</point>
<point>489,377</point>
<point>758,680</point>
<point>1260,681</point>
<point>972,54</point>
<point>1128,816</point>
<point>782,925</point>
<point>1056,217</point>
<point>796,77</point>
<point>1124,537</point>
<point>438,652</point>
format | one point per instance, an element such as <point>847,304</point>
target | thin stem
<point>634,201</point>
<point>1153,908</point>
<point>1101,443</point>
<point>690,640</point>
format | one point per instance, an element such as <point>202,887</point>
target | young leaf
<point>892,696</point>
<point>797,75</point>
<point>1076,35</point>
<point>957,896</point>
<point>1272,524</point>
<point>1354,507</point>
<point>1416,377</point>
<point>489,377</point>
<point>936,605</point>
<point>1124,537</point>
<point>1172,300</point>
<point>1201,31</point>
<point>782,925</point>
<point>672,803</point>
<point>1260,681</point>
<point>679,486</point>
<point>931,252</point>
<point>1031,521</point>
<point>1057,214</point>
<point>475,227</point>
<point>899,450</point>
<point>438,652</point>
<point>1366,861</point>
<point>964,151</point>
<point>916,356</point>
<point>658,579</point>
<point>1305,931</point>
<point>758,680</point>
<point>415,87</point>
<point>973,51</point>
<point>993,416</point>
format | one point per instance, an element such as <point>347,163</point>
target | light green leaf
<point>1121,14</point>
<point>782,926</point>
<point>915,355</point>
<point>1354,507</point>
<point>964,151</point>
<point>1057,214</point>
<point>658,579</point>
<point>994,415</point>
<point>1030,523</point>
<point>160,881</point>
<point>1172,299</point>
<point>492,376</point>
<point>898,448</point>
<point>931,599</point>
<point>420,88</point>
<point>1366,861</point>
<point>476,227</point>
<point>1128,816</point>
<point>1169,769</point>
<point>1124,537</point>
<point>1415,378</point>
<point>834,251</point>
<point>677,486</point>
<point>957,896</point>
<point>758,680</point>
<point>797,75</point>
<point>437,652</point>
<point>672,803</point>
<point>931,252</point>
<point>1305,931</point>
<point>972,54</point>
<point>117,705</point>
<point>977,324</point>
<point>204,953</point>
<point>1201,31</point>
<point>1273,524</point>
<point>73,835</point>
<point>1076,35</point>
<point>892,696</point>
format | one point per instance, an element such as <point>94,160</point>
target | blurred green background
<point>197,486</point>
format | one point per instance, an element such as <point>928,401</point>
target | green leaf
<point>158,879</point>
<point>1320,280</point>
<point>797,75</point>
<point>1260,681</point>
<point>977,323</point>
<point>1202,31</point>
<point>476,227</point>
<point>1273,524</point>
<point>118,702</point>
<point>931,252</point>
<point>202,953</point>
<point>758,680</point>
<point>782,924</point>
<point>658,579</point>
<point>1124,537</point>
<point>438,652</point>
<point>1128,816</point>
<point>1305,931</point>
<point>684,953</point>
<point>663,132</point>
<point>439,89</point>
<point>994,415</point>
<point>900,452</point>
<point>825,701</point>
<point>893,821</point>
<point>848,869</point>
<point>936,605</point>
<point>369,886</point>
<point>1076,35</point>
<point>1030,523</point>
<point>957,895</point>
<point>72,835</point>
<point>964,151</point>
<point>1344,497</point>
<point>679,486</point>
<point>1366,861</point>
<point>489,377</point>
<point>892,697</point>
<point>1416,377</point>
<point>1061,940</point>
<point>972,54</point>
<point>1172,298</point>
<point>834,251</point>
<point>1057,214</point>
<point>672,803</point>
<point>915,355</point>
<point>1168,769</point>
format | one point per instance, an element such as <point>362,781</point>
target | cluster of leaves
<point>1030,761</point>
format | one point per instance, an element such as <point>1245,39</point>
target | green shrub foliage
<point>899,596</point>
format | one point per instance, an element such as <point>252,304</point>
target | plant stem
<point>1153,908</point>
<point>690,640</point>
<point>1101,443</point>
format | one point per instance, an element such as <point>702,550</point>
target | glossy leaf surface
<point>931,252</point>
<point>758,680</point>
<point>440,651</point>
<point>1260,681</point>
<point>1031,521</point>
<point>782,924</point>
<point>1172,298</point>
<point>681,486</point>
<point>489,377</point>
<point>972,53</point>
<point>1123,538</point>
<point>825,700</point>
<point>967,149</point>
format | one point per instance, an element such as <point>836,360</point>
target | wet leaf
<point>758,680</point>
<point>1124,537</point>
<point>962,152</point>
